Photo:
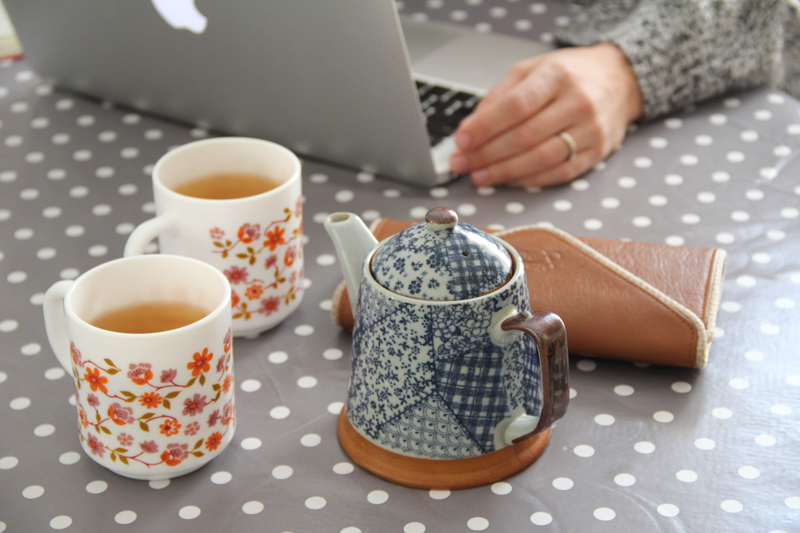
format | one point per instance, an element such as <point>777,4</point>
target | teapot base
<point>439,474</point>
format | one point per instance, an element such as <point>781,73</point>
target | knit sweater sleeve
<point>685,51</point>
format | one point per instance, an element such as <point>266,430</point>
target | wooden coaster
<point>440,473</point>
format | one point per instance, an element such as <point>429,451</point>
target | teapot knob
<point>441,218</point>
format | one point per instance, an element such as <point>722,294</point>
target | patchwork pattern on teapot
<point>453,264</point>
<point>428,381</point>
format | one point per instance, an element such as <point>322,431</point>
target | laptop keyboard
<point>444,108</point>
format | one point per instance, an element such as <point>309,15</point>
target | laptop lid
<point>330,80</point>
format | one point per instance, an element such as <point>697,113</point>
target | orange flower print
<point>200,363</point>
<point>140,374</point>
<point>120,414</point>
<point>151,400</point>
<point>274,238</point>
<point>226,385</point>
<point>254,291</point>
<point>234,299</point>
<point>213,442</point>
<point>169,460</point>
<point>83,419</point>
<point>95,380</point>
<point>226,342</point>
<point>170,427</point>
<point>290,256</point>
<point>248,233</point>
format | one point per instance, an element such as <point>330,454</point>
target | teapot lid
<point>442,259</point>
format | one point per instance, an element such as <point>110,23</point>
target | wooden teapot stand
<point>440,474</point>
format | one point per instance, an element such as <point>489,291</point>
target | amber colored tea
<point>227,186</point>
<point>149,317</point>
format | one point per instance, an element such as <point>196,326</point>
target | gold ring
<point>573,146</point>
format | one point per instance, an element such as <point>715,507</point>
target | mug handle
<point>550,337</point>
<point>146,232</point>
<point>55,322</point>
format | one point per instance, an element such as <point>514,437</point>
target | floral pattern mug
<point>156,405</point>
<point>256,241</point>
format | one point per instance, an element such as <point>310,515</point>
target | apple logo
<point>181,15</point>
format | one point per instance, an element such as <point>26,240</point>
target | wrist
<point>629,83</point>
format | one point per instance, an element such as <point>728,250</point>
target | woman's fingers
<point>559,174</point>
<point>513,135</point>
<point>560,115</point>
<point>511,105</point>
<point>552,152</point>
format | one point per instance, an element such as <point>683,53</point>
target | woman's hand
<point>512,137</point>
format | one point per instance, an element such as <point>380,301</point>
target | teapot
<point>454,382</point>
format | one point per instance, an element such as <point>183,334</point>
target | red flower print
<point>227,413</point>
<point>226,385</point>
<point>298,207</point>
<point>234,299</point>
<point>170,427</point>
<point>92,399</point>
<point>269,305</point>
<point>213,418</point>
<point>76,354</point>
<point>192,428</point>
<point>151,400</point>
<point>213,442</point>
<point>271,261</point>
<point>125,439</point>
<point>254,291</point>
<point>236,275</point>
<point>83,419</point>
<point>95,380</point>
<point>194,406</point>
<point>217,234</point>
<point>274,238</point>
<point>200,363</point>
<point>178,451</point>
<point>248,233</point>
<point>168,375</point>
<point>140,374</point>
<point>149,446</point>
<point>167,458</point>
<point>226,342</point>
<point>95,446</point>
<point>120,415</point>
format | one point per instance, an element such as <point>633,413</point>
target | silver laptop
<point>339,81</point>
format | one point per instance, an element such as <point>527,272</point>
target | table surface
<point>642,448</point>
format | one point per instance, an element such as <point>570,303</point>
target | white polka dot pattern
<point>74,182</point>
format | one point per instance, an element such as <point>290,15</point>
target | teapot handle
<point>550,336</point>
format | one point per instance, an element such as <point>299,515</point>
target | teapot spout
<point>353,242</point>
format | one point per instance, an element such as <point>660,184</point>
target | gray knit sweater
<point>685,51</point>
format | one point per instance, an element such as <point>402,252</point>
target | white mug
<point>150,405</point>
<point>255,241</point>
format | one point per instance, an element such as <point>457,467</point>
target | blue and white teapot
<point>448,362</point>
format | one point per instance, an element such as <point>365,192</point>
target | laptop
<point>347,82</point>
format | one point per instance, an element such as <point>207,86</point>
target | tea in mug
<point>149,317</point>
<point>227,186</point>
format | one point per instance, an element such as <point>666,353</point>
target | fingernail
<point>463,141</point>
<point>480,178</point>
<point>458,163</point>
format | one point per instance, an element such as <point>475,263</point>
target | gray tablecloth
<point>642,448</point>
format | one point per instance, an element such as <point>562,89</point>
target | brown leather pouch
<point>631,301</point>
